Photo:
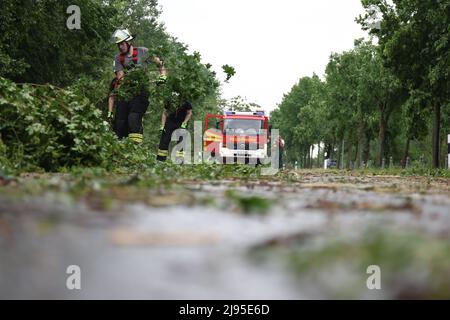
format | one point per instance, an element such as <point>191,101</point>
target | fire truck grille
<point>244,146</point>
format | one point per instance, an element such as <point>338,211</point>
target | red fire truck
<point>237,137</point>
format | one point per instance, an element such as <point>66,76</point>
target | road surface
<point>312,238</point>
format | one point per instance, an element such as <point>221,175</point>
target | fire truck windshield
<point>243,127</point>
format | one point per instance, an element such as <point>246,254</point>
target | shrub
<point>50,128</point>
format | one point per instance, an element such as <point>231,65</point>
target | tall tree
<point>38,47</point>
<point>414,41</point>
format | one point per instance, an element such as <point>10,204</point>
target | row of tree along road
<point>376,101</point>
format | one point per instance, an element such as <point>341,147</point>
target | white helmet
<point>121,35</point>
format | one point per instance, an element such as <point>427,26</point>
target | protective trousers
<point>129,116</point>
<point>166,136</point>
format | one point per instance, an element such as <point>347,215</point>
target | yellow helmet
<point>121,35</point>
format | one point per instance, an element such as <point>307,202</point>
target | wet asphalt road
<point>202,250</point>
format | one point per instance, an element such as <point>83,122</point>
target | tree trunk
<point>318,156</point>
<point>305,163</point>
<point>329,152</point>
<point>436,131</point>
<point>444,144</point>
<point>359,145</point>
<point>381,138</point>
<point>357,152</point>
<point>350,149</point>
<point>366,155</point>
<point>357,149</point>
<point>339,156</point>
<point>333,145</point>
<point>306,158</point>
<point>406,152</point>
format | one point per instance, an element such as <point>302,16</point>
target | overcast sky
<point>271,44</point>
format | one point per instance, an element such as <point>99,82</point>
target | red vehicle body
<point>237,136</point>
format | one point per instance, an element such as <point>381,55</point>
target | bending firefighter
<point>171,121</point>
<point>129,114</point>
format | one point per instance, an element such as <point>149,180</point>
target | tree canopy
<point>376,99</point>
<point>37,48</point>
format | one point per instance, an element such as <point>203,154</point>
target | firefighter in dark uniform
<point>129,115</point>
<point>279,144</point>
<point>172,120</point>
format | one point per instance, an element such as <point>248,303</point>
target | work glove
<point>184,125</point>
<point>161,129</point>
<point>110,115</point>
<point>162,79</point>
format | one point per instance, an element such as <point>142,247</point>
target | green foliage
<point>229,71</point>
<point>296,116</point>
<point>359,101</point>
<point>249,204</point>
<point>48,128</point>
<point>36,45</point>
<point>376,99</point>
<point>43,127</point>
<point>137,81</point>
<point>414,171</point>
<point>239,104</point>
<point>413,38</point>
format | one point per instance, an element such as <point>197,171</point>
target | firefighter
<point>129,114</point>
<point>279,144</point>
<point>171,121</point>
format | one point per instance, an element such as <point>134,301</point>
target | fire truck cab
<point>237,137</point>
